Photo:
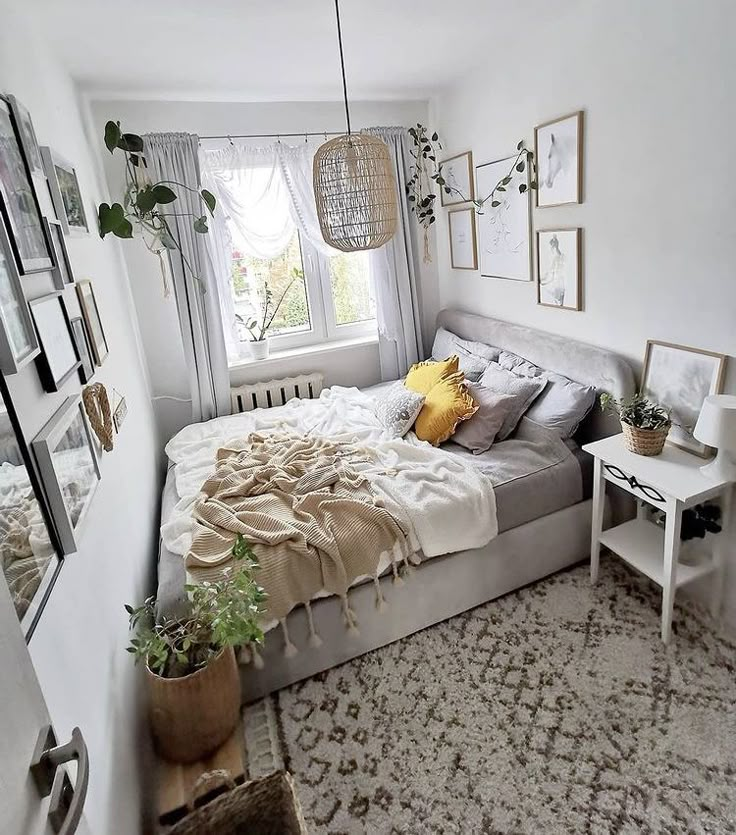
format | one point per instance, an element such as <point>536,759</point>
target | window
<point>326,299</point>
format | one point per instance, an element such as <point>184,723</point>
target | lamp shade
<point>716,424</point>
<point>355,192</point>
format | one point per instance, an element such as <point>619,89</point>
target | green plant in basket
<point>637,411</point>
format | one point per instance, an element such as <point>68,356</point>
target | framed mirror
<point>29,545</point>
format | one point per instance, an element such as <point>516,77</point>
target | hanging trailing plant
<point>147,206</point>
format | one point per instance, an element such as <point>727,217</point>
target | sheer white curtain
<point>394,270</point>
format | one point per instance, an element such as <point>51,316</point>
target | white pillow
<point>397,408</point>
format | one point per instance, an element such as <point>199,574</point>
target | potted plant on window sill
<point>191,670</point>
<point>258,327</point>
<point>645,424</point>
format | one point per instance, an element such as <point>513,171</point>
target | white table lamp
<point>716,427</point>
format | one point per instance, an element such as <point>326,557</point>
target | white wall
<point>78,648</point>
<point>656,83</point>
<point>157,316</point>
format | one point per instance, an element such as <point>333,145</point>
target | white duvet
<point>447,505</point>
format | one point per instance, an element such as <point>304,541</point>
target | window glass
<point>352,292</point>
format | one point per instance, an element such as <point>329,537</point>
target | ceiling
<point>276,49</point>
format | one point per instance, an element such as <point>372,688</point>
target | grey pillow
<point>473,356</point>
<point>397,408</point>
<point>563,404</point>
<point>479,432</point>
<point>523,389</point>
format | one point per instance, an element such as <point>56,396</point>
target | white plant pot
<point>259,350</point>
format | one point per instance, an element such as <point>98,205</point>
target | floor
<point>554,709</point>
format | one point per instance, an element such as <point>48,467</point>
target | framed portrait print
<point>463,244</point>
<point>91,314</point>
<point>59,358</point>
<point>62,272</point>
<point>69,469</point>
<point>65,192</point>
<point>559,268</point>
<point>457,173</point>
<point>558,150</point>
<point>79,332</point>
<point>18,341</point>
<point>680,378</point>
<point>504,231</point>
<point>18,202</point>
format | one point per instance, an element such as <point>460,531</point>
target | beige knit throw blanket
<point>311,520</point>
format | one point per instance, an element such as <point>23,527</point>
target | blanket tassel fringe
<point>314,639</point>
<point>349,615</point>
<point>289,649</point>
<point>381,604</point>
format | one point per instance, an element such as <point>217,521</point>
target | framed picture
<point>62,272</point>
<point>79,332</point>
<point>559,268</point>
<point>457,173</point>
<point>120,413</point>
<point>65,193</point>
<point>18,202</point>
<point>463,244</point>
<point>18,341</point>
<point>91,313</point>
<point>680,378</point>
<point>69,469</point>
<point>558,150</point>
<point>504,231</point>
<point>27,135</point>
<point>59,358</point>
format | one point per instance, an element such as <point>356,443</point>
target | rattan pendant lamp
<point>354,185</point>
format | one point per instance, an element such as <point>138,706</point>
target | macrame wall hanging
<point>97,406</point>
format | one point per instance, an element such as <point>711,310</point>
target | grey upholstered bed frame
<point>445,586</point>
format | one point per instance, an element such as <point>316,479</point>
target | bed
<point>541,490</point>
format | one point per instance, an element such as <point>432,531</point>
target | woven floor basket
<point>645,441</point>
<point>268,806</point>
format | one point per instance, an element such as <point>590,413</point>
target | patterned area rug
<point>553,710</point>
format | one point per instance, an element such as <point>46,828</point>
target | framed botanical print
<point>457,172</point>
<point>18,202</point>
<point>680,378</point>
<point>558,150</point>
<point>65,192</point>
<point>59,358</point>
<point>69,469</point>
<point>18,341</point>
<point>62,272</point>
<point>559,268</point>
<point>26,135</point>
<point>463,245</point>
<point>79,331</point>
<point>91,313</point>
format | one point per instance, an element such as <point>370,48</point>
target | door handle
<point>65,808</point>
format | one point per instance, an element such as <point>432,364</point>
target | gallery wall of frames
<point>47,481</point>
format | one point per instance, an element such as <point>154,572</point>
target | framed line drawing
<point>463,242</point>
<point>62,273</point>
<point>558,151</point>
<point>560,268</point>
<point>58,359</point>
<point>79,331</point>
<point>18,340</point>
<point>457,173</point>
<point>91,313</point>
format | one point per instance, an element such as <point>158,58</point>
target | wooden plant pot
<point>644,441</point>
<point>193,715</point>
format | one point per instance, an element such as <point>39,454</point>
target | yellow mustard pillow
<point>447,403</point>
<point>423,375</point>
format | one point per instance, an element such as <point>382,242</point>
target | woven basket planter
<point>193,715</point>
<point>645,441</point>
<point>267,806</point>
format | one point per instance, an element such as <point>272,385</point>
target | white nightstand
<point>670,482</point>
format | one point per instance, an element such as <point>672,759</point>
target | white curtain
<point>394,269</point>
<point>174,157</point>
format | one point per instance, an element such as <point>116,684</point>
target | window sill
<point>305,351</point>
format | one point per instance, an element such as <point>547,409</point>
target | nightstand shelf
<point>641,544</point>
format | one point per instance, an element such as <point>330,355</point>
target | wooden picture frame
<point>81,340</point>
<point>463,238</point>
<point>69,468</point>
<point>561,162</point>
<point>679,378</point>
<point>459,175</point>
<point>19,205</point>
<point>62,273</point>
<point>91,314</point>
<point>66,194</point>
<point>566,245</point>
<point>18,339</point>
<point>58,359</point>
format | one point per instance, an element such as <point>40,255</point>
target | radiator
<point>275,392</point>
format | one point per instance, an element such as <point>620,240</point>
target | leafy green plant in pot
<point>645,424</point>
<point>191,669</point>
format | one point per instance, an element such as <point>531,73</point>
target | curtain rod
<point>232,136</point>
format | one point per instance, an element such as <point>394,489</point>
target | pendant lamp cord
<point>342,65</point>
